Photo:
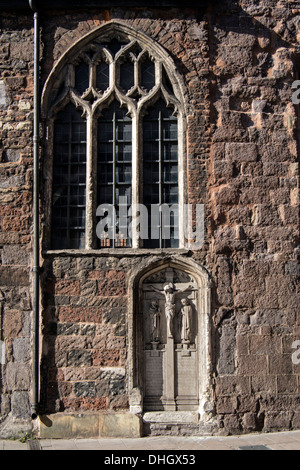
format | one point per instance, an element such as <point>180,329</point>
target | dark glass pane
<point>124,152</point>
<point>123,174</point>
<point>166,81</point>
<point>151,130</point>
<point>169,194</point>
<point>160,171</point>
<point>124,192</point>
<point>69,179</point>
<point>151,194</point>
<point>105,174</point>
<point>170,129</point>
<point>147,74</point>
<point>114,46</point>
<point>105,194</point>
<point>124,129</point>
<point>170,152</point>
<point>102,76</point>
<point>127,75</point>
<point>114,168</point>
<point>170,173</point>
<point>151,151</point>
<point>82,77</point>
<point>151,173</point>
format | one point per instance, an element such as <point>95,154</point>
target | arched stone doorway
<point>169,338</point>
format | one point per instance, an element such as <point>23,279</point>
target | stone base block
<point>65,426</point>
<point>120,425</point>
<point>172,417</point>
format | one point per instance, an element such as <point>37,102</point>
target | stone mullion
<point>90,182</point>
<point>136,157</point>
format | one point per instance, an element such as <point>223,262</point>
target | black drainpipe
<point>36,245</point>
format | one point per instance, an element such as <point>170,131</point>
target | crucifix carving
<point>170,293</point>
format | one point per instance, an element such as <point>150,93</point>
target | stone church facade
<point>174,104</point>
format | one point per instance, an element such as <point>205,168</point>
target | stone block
<point>252,365</point>
<point>250,421</point>
<point>226,362</point>
<point>17,376</point>
<point>120,425</point>
<point>11,155</point>
<point>278,420</point>
<point>80,358</point>
<point>80,314</point>
<point>84,389</point>
<point>4,99</point>
<point>20,405</point>
<point>264,344</point>
<point>106,357</point>
<point>12,323</point>
<point>14,255</point>
<point>287,384</point>
<point>229,385</point>
<point>67,287</point>
<point>242,152</point>
<point>266,384</point>
<point>21,349</point>
<point>171,417</point>
<point>14,276</point>
<point>226,405</point>
<point>68,426</point>
<point>280,364</point>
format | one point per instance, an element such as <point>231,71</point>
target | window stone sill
<point>117,252</point>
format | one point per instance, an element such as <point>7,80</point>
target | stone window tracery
<point>124,98</point>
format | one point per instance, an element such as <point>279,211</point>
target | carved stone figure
<point>155,317</point>
<point>169,293</point>
<point>186,321</point>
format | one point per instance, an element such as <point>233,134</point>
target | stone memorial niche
<point>170,333</point>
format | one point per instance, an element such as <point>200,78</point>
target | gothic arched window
<point>116,129</point>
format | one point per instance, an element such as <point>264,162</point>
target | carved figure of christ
<point>169,293</point>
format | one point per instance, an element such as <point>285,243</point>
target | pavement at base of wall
<point>289,440</point>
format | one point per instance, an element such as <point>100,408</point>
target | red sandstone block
<point>280,364</point>
<point>287,384</point>
<point>264,344</point>
<point>252,365</point>
<point>80,314</point>
<point>12,323</point>
<point>67,287</point>
<point>226,405</point>
<point>120,402</point>
<point>94,404</point>
<point>106,357</point>
<point>232,385</point>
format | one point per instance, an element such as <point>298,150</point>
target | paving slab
<point>289,440</point>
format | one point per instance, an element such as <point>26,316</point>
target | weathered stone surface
<point>119,425</point>
<point>237,67</point>
<point>64,426</point>
<point>17,376</point>
<point>20,405</point>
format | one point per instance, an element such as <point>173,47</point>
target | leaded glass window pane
<point>127,75</point>
<point>115,170</point>
<point>147,74</point>
<point>102,76</point>
<point>160,174</point>
<point>69,180</point>
<point>82,77</point>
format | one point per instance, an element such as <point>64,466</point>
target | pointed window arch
<point>127,93</point>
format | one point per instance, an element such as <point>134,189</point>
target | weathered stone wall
<point>16,69</point>
<point>237,60</point>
